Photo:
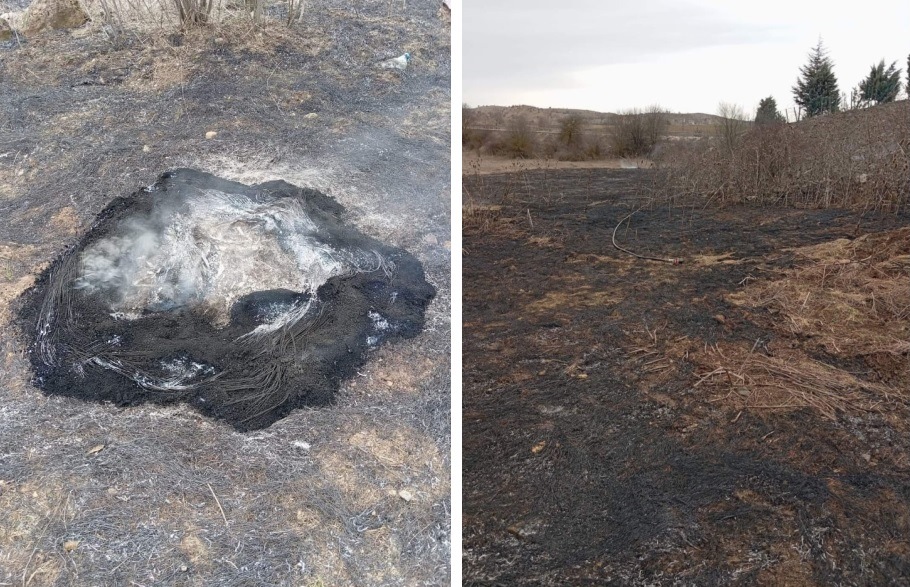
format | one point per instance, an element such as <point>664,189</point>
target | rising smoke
<point>207,248</point>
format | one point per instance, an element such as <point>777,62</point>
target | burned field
<point>351,486</point>
<point>740,418</point>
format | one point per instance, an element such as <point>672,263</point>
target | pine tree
<point>816,89</point>
<point>881,85</point>
<point>767,112</point>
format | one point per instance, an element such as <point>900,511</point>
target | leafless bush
<point>587,148</point>
<point>637,132</point>
<point>733,125</point>
<point>476,139</point>
<point>195,12</point>
<point>254,9</point>
<point>570,133</point>
<point>468,117</point>
<point>119,16</point>
<point>858,159</point>
<point>296,8</point>
<point>519,141</point>
<point>144,16</point>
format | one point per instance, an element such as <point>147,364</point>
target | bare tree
<point>733,124</point>
<point>637,132</point>
<point>570,131</point>
<point>519,139</point>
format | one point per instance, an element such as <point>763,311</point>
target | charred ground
<point>161,495</point>
<point>81,349</point>
<point>614,429</point>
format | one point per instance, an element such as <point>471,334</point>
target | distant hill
<point>547,120</point>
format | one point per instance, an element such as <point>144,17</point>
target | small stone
<point>184,568</point>
<point>211,134</point>
<point>720,318</point>
<point>146,148</point>
<point>311,115</point>
<point>70,545</point>
<point>867,457</point>
<point>405,495</point>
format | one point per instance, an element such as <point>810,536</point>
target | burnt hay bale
<point>244,301</point>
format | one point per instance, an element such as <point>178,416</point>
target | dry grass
<point>849,296</point>
<point>14,277</point>
<point>489,164</point>
<point>849,300</point>
<point>788,380</point>
<point>581,297</point>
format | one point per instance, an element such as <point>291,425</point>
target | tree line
<point>817,92</point>
<point>636,132</point>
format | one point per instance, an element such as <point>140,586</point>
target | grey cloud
<point>518,45</point>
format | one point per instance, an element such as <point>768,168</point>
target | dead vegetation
<point>848,301</point>
<point>858,159</point>
<point>851,297</point>
<point>846,304</point>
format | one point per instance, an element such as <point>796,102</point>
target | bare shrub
<point>476,140</point>
<point>637,132</point>
<point>858,159</point>
<point>296,8</point>
<point>253,9</point>
<point>570,131</point>
<point>120,16</point>
<point>519,141</point>
<point>733,124</point>
<point>595,150</point>
<point>195,12</point>
<point>587,149</point>
<point>467,120</point>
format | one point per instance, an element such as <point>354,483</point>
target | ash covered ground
<point>353,494</point>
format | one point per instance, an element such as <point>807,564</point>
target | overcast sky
<point>686,55</point>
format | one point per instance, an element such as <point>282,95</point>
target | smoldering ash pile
<point>244,301</point>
